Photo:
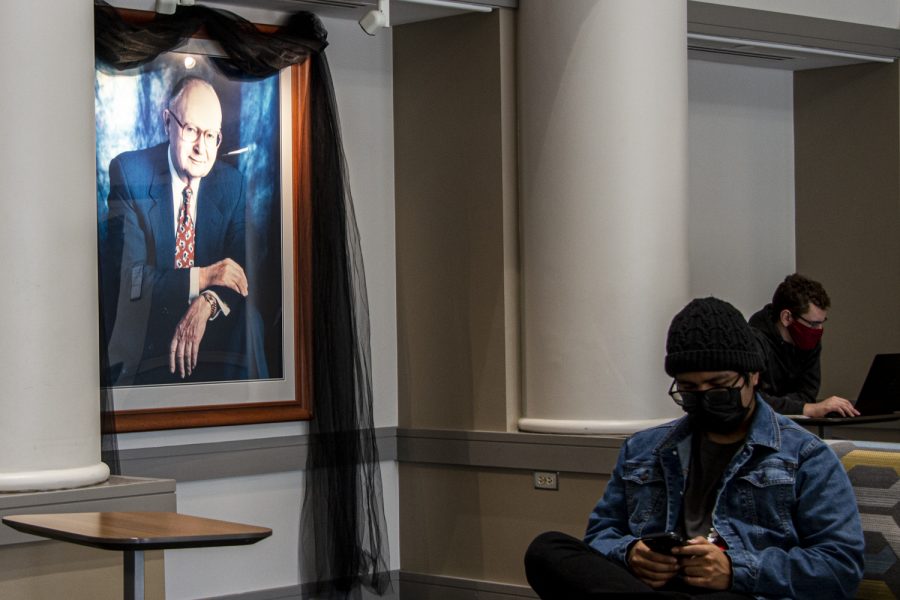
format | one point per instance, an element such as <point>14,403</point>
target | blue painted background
<point>129,107</point>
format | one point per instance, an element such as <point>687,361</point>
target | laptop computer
<point>879,397</point>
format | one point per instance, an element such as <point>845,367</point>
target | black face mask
<point>718,410</point>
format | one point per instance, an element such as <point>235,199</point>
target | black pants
<point>560,567</point>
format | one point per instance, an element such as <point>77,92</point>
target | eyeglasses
<point>812,324</point>
<point>190,133</point>
<point>711,397</point>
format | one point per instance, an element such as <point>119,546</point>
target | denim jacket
<point>785,507</point>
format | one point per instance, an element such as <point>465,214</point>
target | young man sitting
<point>763,507</point>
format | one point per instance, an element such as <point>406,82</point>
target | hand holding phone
<point>662,543</point>
<point>652,561</point>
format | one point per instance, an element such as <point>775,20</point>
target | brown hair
<point>796,293</point>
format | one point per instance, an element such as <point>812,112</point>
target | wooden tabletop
<point>137,530</point>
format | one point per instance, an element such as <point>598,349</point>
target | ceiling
<point>777,40</point>
<point>715,32</point>
<point>771,55</point>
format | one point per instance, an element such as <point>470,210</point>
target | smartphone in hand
<point>662,543</point>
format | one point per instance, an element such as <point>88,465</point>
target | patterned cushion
<point>874,471</point>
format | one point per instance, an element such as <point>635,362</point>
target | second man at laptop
<point>789,331</point>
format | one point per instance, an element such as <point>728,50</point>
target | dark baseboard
<point>301,592</point>
<point>407,586</point>
<point>418,586</point>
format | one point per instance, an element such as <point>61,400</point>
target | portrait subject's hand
<point>225,273</point>
<point>704,564</point>
<point>188,334</point>
<point>832,404</point>
<point>653,569</point>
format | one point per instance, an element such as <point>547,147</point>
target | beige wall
<point>52,570</point>
<point>476,523</point>
<point>455,195</point>
<point>457,304</point>
<point>847,143</point>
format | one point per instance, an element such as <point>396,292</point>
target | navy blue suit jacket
<point>152,295</point>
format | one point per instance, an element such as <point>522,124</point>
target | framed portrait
<point>204,242</point>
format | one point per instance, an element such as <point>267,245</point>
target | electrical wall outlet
<point>546,480</point>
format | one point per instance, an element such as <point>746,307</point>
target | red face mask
<point>804,337</point>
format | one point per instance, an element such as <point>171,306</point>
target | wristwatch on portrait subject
<point>213,304</point>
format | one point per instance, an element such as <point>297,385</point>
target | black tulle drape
<point>342,515</point>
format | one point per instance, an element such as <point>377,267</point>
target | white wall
<point>362,72</point>
<point>741,181</point>
<point>362,69</point>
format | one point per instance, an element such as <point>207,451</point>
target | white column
<point>49,380</point>
<point>603,169</point>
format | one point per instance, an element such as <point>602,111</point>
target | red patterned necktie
<point>184,238</point>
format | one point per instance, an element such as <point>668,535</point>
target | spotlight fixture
<point>167,7</point>
<point>376,18</point>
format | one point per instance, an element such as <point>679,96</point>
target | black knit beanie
<point>711,335</point>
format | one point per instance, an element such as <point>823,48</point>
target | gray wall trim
<point>529,451</point>
<point>733,21</point>
<point>116,494</point>
<point>418,586</point>
<point>113,488</point>
<point>487,449</point>
<point>304,592</point>
<point>195,462</point>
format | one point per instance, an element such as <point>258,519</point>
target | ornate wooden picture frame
<point>269,146</point>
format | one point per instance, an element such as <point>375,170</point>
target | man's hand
<point>835,404</point>
<point>226,273</point>
<point>704,564</point>
<point>188,333</point>
<point>651,568</point>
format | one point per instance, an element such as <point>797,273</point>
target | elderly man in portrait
<point>177,240</point>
